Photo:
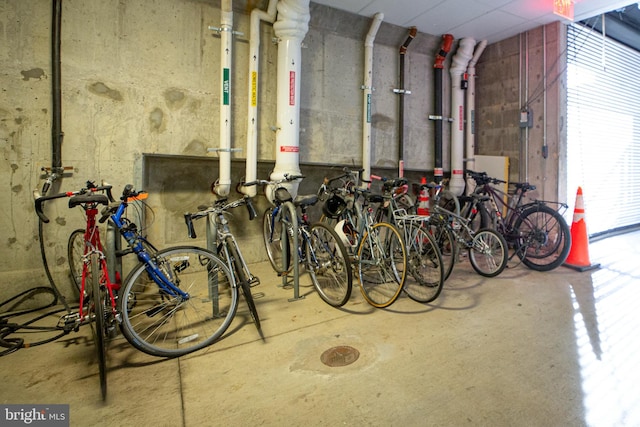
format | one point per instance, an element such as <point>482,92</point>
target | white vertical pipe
<point>290,28</point>
<point>458,66</point>
<point>471,107</point>
<point>368,90</point>
<point>224,152</point>
<point>251,168</point>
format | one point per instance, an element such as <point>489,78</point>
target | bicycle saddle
<point>81,199</point>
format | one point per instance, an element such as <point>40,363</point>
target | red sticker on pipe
<point>461,118</point>
<point>289,149</point>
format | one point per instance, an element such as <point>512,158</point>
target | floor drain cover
<point>342,355</point>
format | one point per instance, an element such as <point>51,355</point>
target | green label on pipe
<point>226,86</point>
<point>368,108</point>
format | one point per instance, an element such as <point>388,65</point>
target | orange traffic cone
<point>578,258</point>
<point>423,198</point>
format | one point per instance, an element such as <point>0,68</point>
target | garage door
<point>603,129</point>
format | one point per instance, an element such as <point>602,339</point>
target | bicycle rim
<point>447,246</point>
<point>272,234</point>
<point>488,254</point>
<point>241,278</point>
<point>75,252</point>
<point>329,265</point>
<point>165,325</point>
<point>382,265</point>
<point>96,312</point>
<point>424,264</point>
<point>545,238</point>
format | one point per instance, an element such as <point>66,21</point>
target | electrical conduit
<point>368,89</point>
<point>458,66</point>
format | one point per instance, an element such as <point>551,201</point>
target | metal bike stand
<point>113,248</point>
<point>212,238</point>
<point>295,259</point>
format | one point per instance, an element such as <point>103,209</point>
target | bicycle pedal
<point>254,281</point>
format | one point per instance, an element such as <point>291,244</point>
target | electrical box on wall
<point>525,118</point>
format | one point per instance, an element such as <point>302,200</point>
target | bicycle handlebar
<point>287,178</point>
<point>90,188</point>
<point>219,207</point>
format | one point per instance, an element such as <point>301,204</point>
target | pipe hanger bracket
<point>402,91</point>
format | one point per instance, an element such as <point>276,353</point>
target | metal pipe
<point>56,126</point>
<point>251,167</point>
<point>471,106</point>
<point>401,91</point>
<point>368,90</point>
<point>458,66</point>
<point>438,66</point>
<point>290,28</point>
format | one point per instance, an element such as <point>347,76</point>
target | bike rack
<point>113,248</point>
<point>212,238</point>
<point>295,258</point>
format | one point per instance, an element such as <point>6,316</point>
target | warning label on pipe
<point>289,149</point>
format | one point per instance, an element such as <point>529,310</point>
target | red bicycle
<point>97,302</point>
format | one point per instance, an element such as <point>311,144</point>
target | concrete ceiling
<point>491,20</point>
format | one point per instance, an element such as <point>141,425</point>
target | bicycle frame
<point>92,244</point>
<point>128,231</point>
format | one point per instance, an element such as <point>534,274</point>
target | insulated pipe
<point>401,91</point>
<point>458,66</point>
<point>290,28</point>
<point>56,126</point>
<point>447,40</point>
<point>471,107</point>
<point>223,183</point>
<point>251,168</point>
<point>368,89</point>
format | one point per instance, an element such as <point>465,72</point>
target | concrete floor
<point>523,349</point>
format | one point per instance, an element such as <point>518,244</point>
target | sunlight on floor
<point>607,326</point>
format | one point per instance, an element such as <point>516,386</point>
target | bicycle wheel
<point>95,310</point>
<point>489,253</point>
<point>382,264</point>
<point>329,265</point>
<point>243,281</point>
<point>424,263</point>
<point>75,252</point>
<point>161,324</point>
<point>272,233</point>
<point>446,241</point>
<point>544,238</point>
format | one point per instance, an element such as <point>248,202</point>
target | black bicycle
<point>537,232</point>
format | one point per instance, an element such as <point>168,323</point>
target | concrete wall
<point>140,96</point>
<point>512,75</point>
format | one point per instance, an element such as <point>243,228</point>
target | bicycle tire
<point>243,281</point>
<point>446,241</point>
<point>329,265</point>
<point>488,253</point>
<point>75,252</point>
<point>424,264</point>
<point>165,326</point>
<point>97,318</point>
<point>544,238</point>
<point>382,264</point>
<point>272,234</point>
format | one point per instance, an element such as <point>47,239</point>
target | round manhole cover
<point>342,355</point>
